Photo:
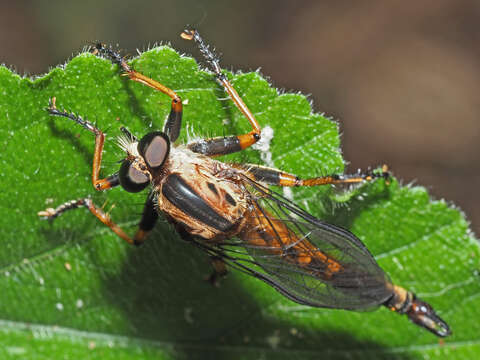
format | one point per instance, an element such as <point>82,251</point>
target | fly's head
<point>144,160</point>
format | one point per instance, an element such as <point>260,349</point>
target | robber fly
<point>229,212</point>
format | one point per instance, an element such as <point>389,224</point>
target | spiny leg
<point>277,177</point>
<point>223,145</point>
<point>99,184</point>
<point>149,217</point>
<point>174,121</point>
<point>51,214</point>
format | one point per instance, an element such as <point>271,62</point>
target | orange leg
<point>149,216</point>
<point>98,184</point>
<point>174,120</point>
<point>276,177</point>
<point>147,222</point>
<point>223,145</point>
<point>51,213</point>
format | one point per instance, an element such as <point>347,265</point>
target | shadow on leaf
<point>364,197</point>
<point>162,293</point>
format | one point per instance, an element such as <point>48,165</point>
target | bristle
<point>127,144</point>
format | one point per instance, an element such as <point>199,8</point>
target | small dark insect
<point>228,211</point>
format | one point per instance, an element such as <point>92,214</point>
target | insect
<point>229,212</point>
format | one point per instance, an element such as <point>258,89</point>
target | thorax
<point>201,193</point>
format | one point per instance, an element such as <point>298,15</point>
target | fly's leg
<point>149,215</point>
<point>230,144</point>
<point>219,271</point>
<point>219,267</point>
<point>147,222</point>
<point>98,184</point>
<point>276,177</point>
<point>174,120</point>
<point>222,145</point>
<point>95,210</point>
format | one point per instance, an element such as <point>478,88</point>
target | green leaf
<point>71,289</point>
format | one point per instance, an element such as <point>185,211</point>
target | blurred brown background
<point>403,78</point>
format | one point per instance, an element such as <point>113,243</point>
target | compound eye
<point>132,179</point>
<point>154,148</point>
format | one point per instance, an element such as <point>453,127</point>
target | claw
<point>187,34</point>
<point>47,213</point>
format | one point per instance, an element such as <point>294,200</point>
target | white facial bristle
<point>128,145</point>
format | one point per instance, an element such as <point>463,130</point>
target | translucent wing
<point>309,261</point>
